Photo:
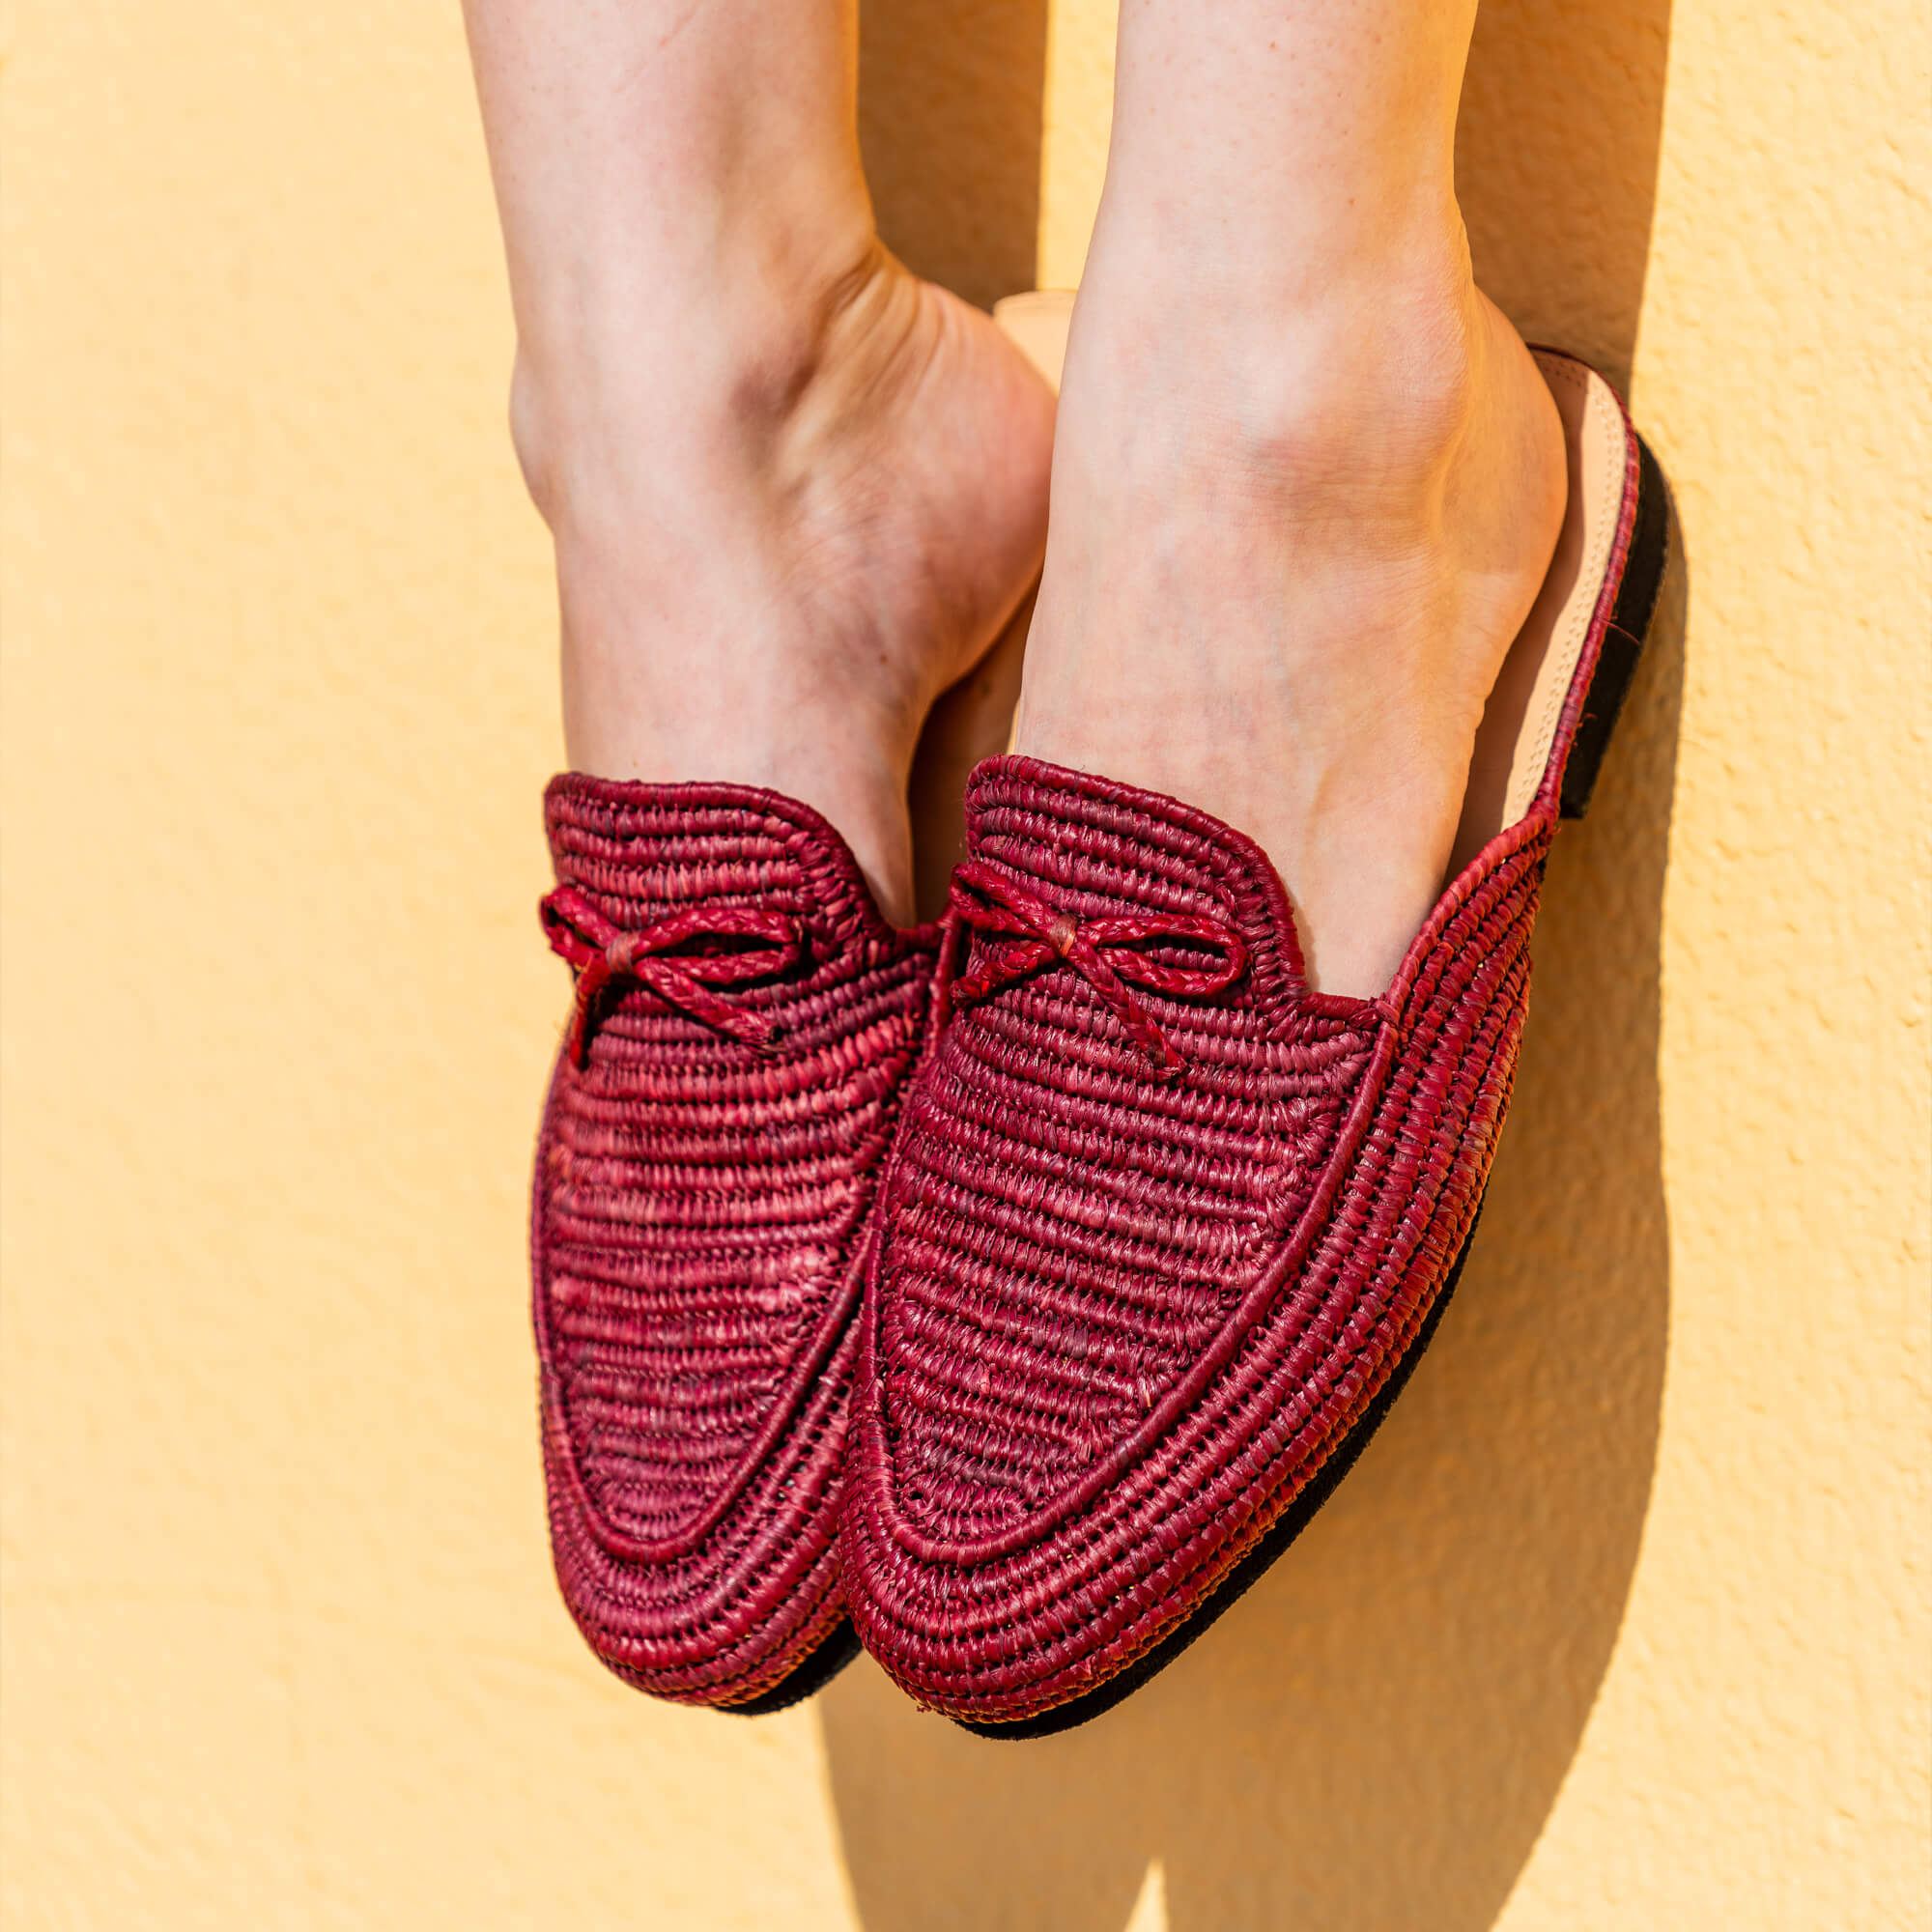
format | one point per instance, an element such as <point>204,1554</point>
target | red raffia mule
<point>1164,1230</point>
<point>744,1026</point>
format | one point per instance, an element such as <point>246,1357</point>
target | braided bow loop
<point>682,960</point>
<point>1021,932</point>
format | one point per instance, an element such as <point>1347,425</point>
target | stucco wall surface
<point>1622,1622</point>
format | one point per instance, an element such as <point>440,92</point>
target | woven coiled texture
<point>1119,1317</point>
<point>701,1202</point>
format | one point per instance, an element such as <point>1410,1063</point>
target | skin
<point>1306,481</point>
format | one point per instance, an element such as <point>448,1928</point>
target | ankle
<point>1292,547</point>
<point>719,365</point>
<point>1357,387</point>
<point>771,560</point>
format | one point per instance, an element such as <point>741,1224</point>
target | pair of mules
<point>1008,1291</point>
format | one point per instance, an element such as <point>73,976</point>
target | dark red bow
<point>1022,933</point>
<point>720,955</point>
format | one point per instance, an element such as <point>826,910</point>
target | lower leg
<point>1308,479</point>
<point>794,490</point>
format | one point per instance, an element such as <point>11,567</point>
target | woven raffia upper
<point>705,1182</point>
<point>1121,1308</point>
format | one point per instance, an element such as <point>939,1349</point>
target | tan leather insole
<point>1519,726</point>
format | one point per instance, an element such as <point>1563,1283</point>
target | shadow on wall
<point>1557,166</point>
<point>1373,1737</point>
<point>950,99</point>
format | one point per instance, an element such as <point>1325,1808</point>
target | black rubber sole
<point>1624,640</point>
<point>1622,648</point>
<point>811,1677</point>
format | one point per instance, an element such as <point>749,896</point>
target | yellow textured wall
<point>1623,1621</point>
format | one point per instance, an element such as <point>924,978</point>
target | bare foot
<point>784,525</point>
<point>1289,550</point>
